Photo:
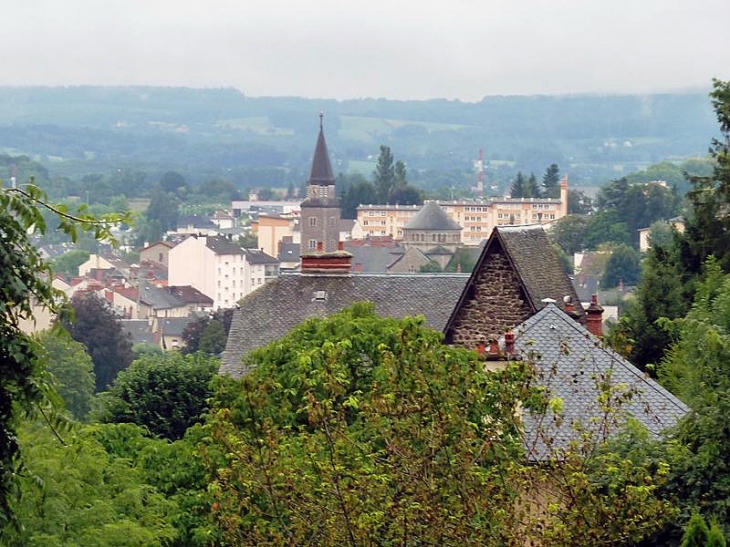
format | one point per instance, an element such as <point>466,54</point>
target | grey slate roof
<point>321,172</point>
<point>159,298</point>
<point>256,256</point>
<point>373,260</point>
<point>138,330</point>
<point>223,246</point>
<point>536,263</point>
<point>274,309</point>
<point>570,363</point>
<point>174,326</point>
<point>431,217</point>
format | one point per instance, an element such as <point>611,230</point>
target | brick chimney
<point>594,319</point>
<point>509,342</point>
<point>338,262</point>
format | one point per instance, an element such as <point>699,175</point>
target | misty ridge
<point>221,132</point>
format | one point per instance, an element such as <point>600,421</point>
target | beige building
<point>476,218</point>
<point>157,253</point>
<point>273,229</point>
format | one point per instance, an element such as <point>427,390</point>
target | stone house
<point>156,253</point>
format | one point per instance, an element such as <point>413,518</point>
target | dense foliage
<point>166,394</point>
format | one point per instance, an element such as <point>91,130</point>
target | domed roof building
<point>432,227</point>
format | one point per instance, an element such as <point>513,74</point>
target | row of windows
<point>313,221</point>
<point>474,209</point>
<point>374,222</point>
<point>376,213</point>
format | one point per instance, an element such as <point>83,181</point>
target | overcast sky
<point>400,49</point>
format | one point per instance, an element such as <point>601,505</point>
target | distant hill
<point>214,132</point>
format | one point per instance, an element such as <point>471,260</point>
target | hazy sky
<point>401,49</point>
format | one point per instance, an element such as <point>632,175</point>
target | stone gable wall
<point>496,302</point>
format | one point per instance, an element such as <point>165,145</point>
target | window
<point>312,244</point>
<point>160,257</point>
<point>332,222</point>
<point>313,221</point>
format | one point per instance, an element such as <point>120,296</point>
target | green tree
<point>166,394</point>
<point>213,340</point>
<point>384,175</point>
<point>195,330</point>
<point>406,195</point>
<point>607,226</point>
<point>708,226</point>
<point>569,233</point>
<point>579,203</point>
<point>660,293</point>
<point>96,327</point>
<point>551,182</point>
<point>519,187</point>
<point>623,266</point>
<point>697,534</point>
<point>73,370</point>
<point>82,493</point>
<point>162,213</point>
<point>716,537</point>
<point>24,282</point>
<point>362,193</point>
<point>172,182</point>
<point>400,174</point>
<point>68,263</point>
<point>430,267</point>
<point>531,188</point>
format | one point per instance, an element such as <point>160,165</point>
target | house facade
<point>220,269</point>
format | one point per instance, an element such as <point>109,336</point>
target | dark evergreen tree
<point>400,174</point>
<point>96,326</point>
<point>531,188</point>
<point>579,203</point>
<point>163,208</point>
<point>519,186</point>
<point>696,534</point>
<point>551,182</point>
<point>384,174</point>
<point>406,195</point>
<point>362,193</point>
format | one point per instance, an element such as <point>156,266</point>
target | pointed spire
<point>321,167</point>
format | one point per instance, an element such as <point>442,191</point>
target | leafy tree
<point>96,327</point>
<point>579,203</point>
<point>195,330</point>
<point>384,174</point>
<point>431,267</point>
<point>248,240</point>
<point>406,195</point>
<point>607,227</point>
<point>622,266</point>
<point>661,234</point>
<point>463,260</point>
<point>551,182</point>
<point>172,182</point>
<point>24,281</point>
<point>397,438</point>
<point>82,493</point>
<point>569,233</point>
<point>166,394</point>
<point>162,212</point>
<point>362,193</point>
<point>708,224</point>
<point>68,263</point>
<point>400,174</point>
<point>213,339</point>
<point>73,370</point>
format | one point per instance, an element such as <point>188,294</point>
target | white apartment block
<point>220,269</point>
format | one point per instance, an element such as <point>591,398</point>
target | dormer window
<point>320,296</point>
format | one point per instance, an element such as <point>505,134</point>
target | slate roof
<point>159,298</point>
<point>223,246</point>
<point>174,326</point>
<point>139,331</point>
<point>273,310</point>
<point>431,217</point>
<point>536,263</point>
<point>372,260</point>
<point>190,295</point>
<point>290,252</point>
<point>256,256</point>
<point>571,362</point>
<point>321,172</point>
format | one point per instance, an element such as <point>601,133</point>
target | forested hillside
<point>265,140</point>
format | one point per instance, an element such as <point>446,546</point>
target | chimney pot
<point>493,347</point>
<point>340,245</point>
<point>594,319</point>
<point>509,342</point>
<point>320,246</point>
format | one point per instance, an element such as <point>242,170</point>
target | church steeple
<point>321,167</point>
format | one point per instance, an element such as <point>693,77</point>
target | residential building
<point>272,229</point>
<point>220,269</point>
<point>157,253</point>
<point>476,218</point>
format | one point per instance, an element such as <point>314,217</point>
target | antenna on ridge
<point>321,118</point>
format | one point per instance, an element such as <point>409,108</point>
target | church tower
<point>321,209</point>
